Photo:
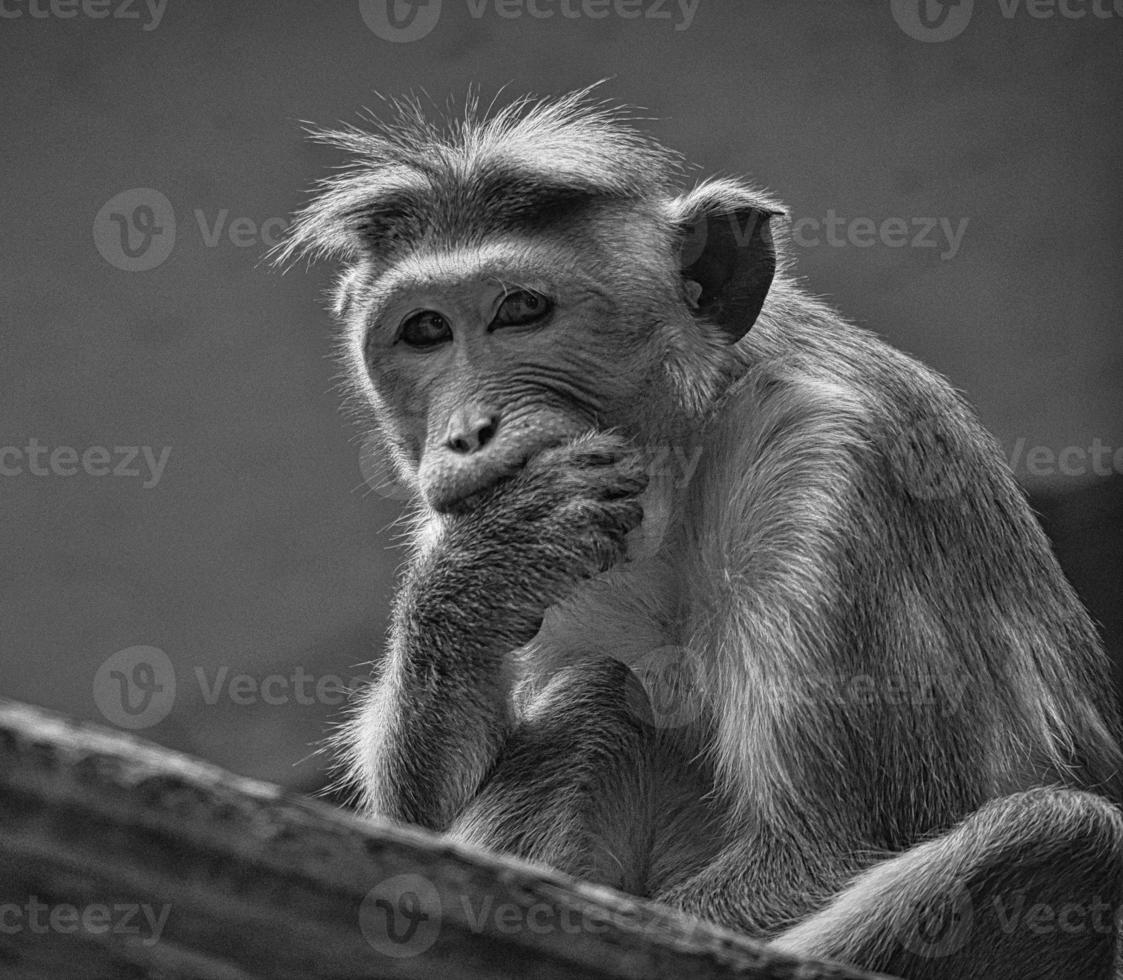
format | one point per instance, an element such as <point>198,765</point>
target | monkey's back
<point>955,664</point>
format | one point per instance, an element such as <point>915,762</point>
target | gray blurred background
<point>957,179</point>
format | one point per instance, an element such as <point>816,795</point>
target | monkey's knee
<point>1047,888</point>
<point>1028,886</point>
<point>1048,827</point>
<point>1046,884</point>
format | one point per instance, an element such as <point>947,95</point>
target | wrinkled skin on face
<point>530,348</point>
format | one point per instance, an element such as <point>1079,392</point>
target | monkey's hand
<point>433,726</point>
<point>525,543</point>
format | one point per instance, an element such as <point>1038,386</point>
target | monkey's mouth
<point>448,491</point>
<point>455,484</point>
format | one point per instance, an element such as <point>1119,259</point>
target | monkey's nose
<point>469,431</point>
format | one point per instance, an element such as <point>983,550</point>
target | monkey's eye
<point>425,329</point>
<point>521,306</point>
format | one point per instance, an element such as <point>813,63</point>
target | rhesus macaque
<point>887,706</point>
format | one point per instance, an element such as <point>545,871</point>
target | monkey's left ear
<point>728,257</point>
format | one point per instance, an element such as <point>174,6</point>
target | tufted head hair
<point>457,178</point>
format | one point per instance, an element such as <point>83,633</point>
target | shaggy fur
<point>889,695</point>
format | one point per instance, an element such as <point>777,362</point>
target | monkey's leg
<point>1029,886</point>
<point>584,786</point>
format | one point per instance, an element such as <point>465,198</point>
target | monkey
<point>832,691</point>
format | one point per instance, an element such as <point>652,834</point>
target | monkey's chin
<point>459,505</point>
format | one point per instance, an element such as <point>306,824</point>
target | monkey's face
<point>479,357</point>
<point>477,350</point>
<point>514,282</point>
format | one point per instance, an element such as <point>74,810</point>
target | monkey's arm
<point>433,722</point>
<point>431,727</point>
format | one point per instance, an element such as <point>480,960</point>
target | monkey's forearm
<point>441,711</point>
<point>434,725</point>
<point>437,733</point>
